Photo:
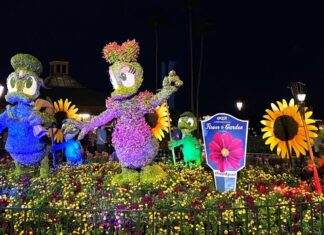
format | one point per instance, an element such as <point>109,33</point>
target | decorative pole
<point>316,177</point>
<point>54,154</point>
<point>172,149</point>
<point>297,89</point>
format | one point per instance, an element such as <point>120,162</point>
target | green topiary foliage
<point>152,174</point>
<point>19,169</point>
<point>127,176</point>
<point>44,168</point>
<point>321,134</point>
<point>26,62</point>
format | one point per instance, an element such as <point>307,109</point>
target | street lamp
<point>239,105</point>
<point>301,97</point>
<point>298,92</point>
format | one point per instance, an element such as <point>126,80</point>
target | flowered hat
<point>126,74</point>
<point>23,84</point>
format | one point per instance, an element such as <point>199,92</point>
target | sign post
<point>225,139</point>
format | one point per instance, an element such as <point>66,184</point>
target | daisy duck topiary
<point>132,137</point>
<point>26,142</point>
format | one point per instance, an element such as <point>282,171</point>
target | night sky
<point>254,50</point>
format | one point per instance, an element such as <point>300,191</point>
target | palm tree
<point>204,27</point>
<point>190,6</point>
<point>156,21</point>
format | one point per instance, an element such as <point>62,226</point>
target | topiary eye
<point>11,83</point>
<point>190,121</point>
<point>127,79</point>
<point>123,76</point>
<point>30,86</point>
<point>29,82</point>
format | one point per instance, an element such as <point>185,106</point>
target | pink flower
<point>225,151</point>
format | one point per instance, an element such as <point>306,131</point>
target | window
<point>58,68</point>
<point>64,68</point>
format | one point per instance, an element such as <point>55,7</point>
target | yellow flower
<point>63,110</point>
<point>162,121</point>
<point>284,128</point>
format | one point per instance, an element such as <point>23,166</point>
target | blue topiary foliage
<point>20,117</point>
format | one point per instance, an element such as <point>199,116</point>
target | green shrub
<point>152,174</point>
<point>126,177</point>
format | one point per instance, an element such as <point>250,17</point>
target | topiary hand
<point>83,127</point>
<point>36,118</point>
<point>172,80</point>
<point>171,145</point>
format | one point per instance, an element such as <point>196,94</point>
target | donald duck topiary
<point>26,142</point>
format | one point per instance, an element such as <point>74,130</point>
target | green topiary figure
<point>191,148</point>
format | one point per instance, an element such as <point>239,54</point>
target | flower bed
<point>83,199</point>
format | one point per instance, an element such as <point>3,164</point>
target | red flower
<point>262,189</point>
<point>226,151</point>
<point>161,195</point>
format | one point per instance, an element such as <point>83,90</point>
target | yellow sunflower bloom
<point>162,122</point>
<point>284,128</point>
<point>63,110</point>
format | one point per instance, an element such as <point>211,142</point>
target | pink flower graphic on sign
<point>226,151</point>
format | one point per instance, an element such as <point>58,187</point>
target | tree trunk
<point>201,59</point>
<point>191,63</point>
<point>156,58</point>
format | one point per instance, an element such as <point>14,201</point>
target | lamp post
<point>239,106</point>
<point>298,92</point>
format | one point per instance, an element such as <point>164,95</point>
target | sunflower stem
<point>316,177</point>
<point>289,155</point>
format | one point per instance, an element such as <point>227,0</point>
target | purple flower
<point>120,207</point>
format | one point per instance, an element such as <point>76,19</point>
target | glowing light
<point>1,89</point>
<point>84,116</point>
<point>239,105</point>
<point>301,97</point>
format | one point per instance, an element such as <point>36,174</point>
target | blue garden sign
<point>225,139</point>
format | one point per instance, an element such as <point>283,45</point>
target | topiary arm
<point>49,119</point>
<point>44,113</point>
<point>58,146</point>
<point>95,122</point>
<point>41,118</point>
<point>3,121</point>
<point>176,143</point>
<point>170,84</point>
